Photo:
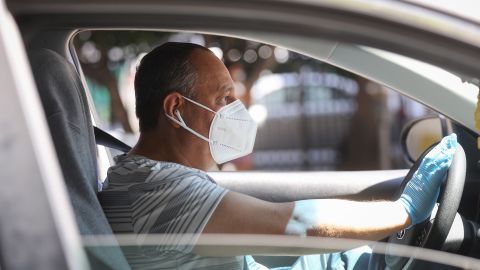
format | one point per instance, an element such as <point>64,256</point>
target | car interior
<point>68,114</point>
<point>68,110</point>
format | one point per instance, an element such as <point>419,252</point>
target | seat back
<point>66,108</point>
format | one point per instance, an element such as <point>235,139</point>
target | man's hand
<point>421,192</point>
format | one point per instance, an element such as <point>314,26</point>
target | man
<point>190,120</point>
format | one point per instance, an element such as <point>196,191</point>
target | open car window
<point>311,115</point>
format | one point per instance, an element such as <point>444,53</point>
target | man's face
<point>214,89</point>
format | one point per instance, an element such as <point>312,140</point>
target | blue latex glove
<point>421,192</point>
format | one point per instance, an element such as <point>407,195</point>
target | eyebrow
<point>225,88</point>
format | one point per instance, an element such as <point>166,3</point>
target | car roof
<point>424,14</point>
<point>420,32</point>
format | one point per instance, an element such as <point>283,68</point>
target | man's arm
<point>238,213</point>
<point>347,219</point>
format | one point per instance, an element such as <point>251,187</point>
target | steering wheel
<point>433,232</point>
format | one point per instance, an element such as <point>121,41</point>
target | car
<point>51,215</point>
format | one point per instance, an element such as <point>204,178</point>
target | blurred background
<point>311,116</point>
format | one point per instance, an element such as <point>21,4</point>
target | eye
<point>223,100</point>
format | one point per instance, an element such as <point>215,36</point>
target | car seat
<point>64,100</point>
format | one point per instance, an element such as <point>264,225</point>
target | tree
<point>101,52</point>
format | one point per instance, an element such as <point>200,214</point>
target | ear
<point>171,104</point>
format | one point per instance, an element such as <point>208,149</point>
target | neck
<point>164,146</point>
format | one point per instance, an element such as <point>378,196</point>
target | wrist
<point>402,211</point>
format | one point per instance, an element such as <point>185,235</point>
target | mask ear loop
<point>179,116</point>
<point>199,104</point>
<point>182,123</point>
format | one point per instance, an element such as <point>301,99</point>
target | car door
<point>37,226</point>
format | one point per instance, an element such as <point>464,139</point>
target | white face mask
<point>232,132</point>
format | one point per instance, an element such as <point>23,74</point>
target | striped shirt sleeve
<point>176,203</point>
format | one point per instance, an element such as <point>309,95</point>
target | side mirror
<point>420,134</point>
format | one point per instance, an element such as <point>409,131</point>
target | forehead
<point>211,72</point>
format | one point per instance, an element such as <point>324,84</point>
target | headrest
<point>65,104</point>
<point>66,109</point>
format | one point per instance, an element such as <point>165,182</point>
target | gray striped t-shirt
<point>144,196</point>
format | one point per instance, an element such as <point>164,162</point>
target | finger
<point>445,149</point>
<point>449,144</point>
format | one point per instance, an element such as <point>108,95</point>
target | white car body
<point>37,219</point>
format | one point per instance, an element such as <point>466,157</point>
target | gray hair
<point>165,69</point>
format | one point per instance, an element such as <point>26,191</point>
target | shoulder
<point>138,172</point>
<point>174,171</point>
